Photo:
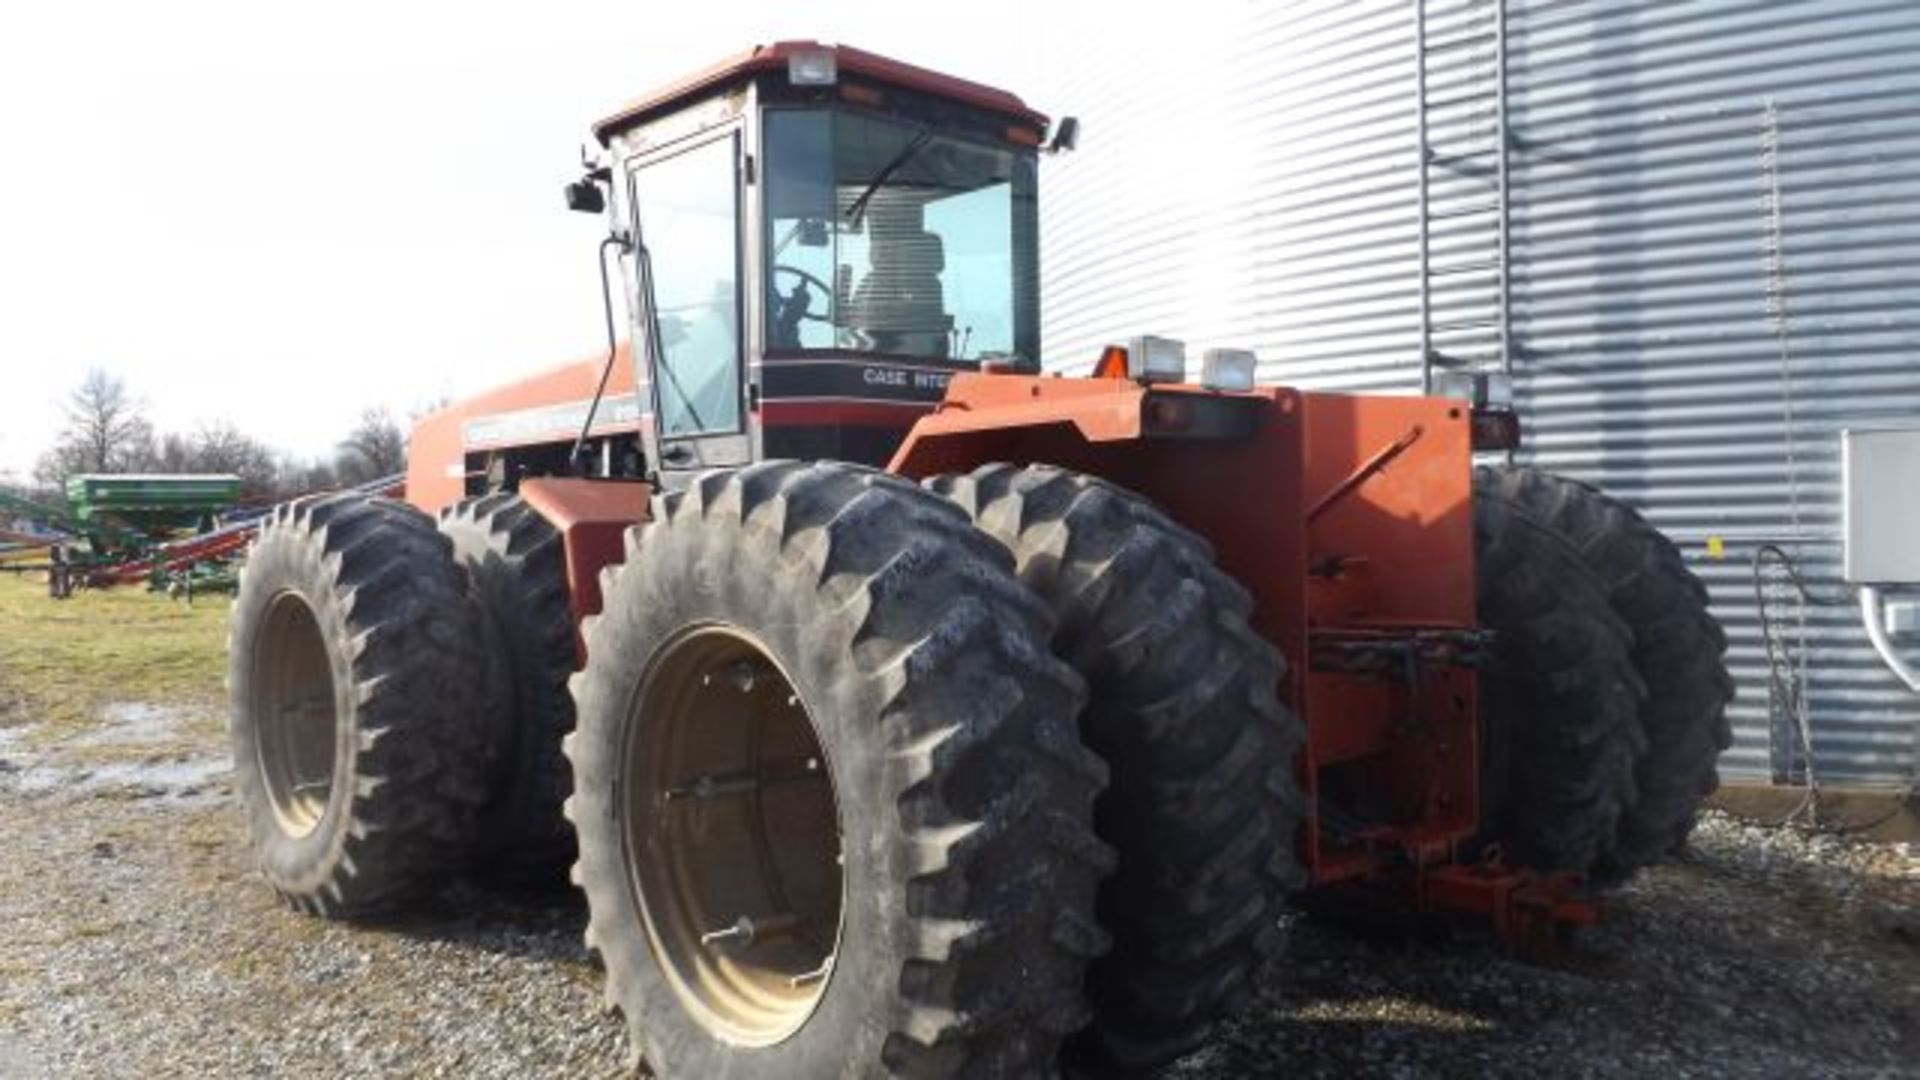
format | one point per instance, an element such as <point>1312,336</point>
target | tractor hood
<point>546,407</point>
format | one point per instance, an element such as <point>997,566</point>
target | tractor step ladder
<point>1464,213</point>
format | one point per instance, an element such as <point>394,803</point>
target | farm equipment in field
<point>115,511</point>
<point>160,529</point>
<point>178,534</point>
<point>119,527</point>
<point>902,710</point>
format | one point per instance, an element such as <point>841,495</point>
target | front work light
<point>1156,359</point>
<point>1481,389</point>
<point>812,67</point>
<point>1227,369</point>
<point>1496,392</point>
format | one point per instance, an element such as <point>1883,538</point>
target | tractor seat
<point>900,306</point>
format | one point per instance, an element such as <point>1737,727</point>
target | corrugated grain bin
<point>1692,231</point>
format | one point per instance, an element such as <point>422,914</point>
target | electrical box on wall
<point>1880,478</point>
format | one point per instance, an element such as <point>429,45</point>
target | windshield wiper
<point>859,207</point>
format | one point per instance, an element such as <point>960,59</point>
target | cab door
<point>687,203</point>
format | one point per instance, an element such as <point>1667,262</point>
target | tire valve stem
<point>808,978</point>
<point>746,931</point>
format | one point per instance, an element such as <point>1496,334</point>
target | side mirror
<point>1066,135</point>
<point>585,197</point>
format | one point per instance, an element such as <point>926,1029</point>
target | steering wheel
<point>806,313</point>
<point>792,309</point>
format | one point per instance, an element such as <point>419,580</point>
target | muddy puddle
<point>134,723</point>
<point>135,752</point>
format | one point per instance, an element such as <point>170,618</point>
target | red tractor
<point>905,711</point>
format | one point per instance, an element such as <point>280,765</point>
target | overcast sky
<point>280,215</point>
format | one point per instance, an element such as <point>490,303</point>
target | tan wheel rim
<point>293,707</point>
<point>732,837</point>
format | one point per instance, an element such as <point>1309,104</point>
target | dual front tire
<point>1017,892</point>
<point>1183,707</point>
<point>918,900</point>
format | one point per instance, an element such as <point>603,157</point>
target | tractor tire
<point>1183,706</point>
<point>873,854</point>
<point>1678,650</point>
<point>1560,700</point>
<point>516,566</point>
<point>357,680</point>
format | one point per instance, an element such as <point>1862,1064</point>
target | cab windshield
<point>886,237</point>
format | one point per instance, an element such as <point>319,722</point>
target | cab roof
<point>742,67</point>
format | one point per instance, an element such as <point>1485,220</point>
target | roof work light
<point>813,67</point>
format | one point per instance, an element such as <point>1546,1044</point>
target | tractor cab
<point>814,240</point>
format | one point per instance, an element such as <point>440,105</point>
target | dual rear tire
<point>1604,711</point>
<point>515,570</point>
<point>365,716</point>
<point>398,699</point>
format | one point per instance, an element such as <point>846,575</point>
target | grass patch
<point>62,660</point>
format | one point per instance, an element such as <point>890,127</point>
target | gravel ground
<point>138,941</point>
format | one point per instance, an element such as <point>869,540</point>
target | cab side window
<point>689,224</point>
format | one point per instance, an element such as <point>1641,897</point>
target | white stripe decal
<point>522,426</point>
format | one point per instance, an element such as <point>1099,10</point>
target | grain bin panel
<point>1713,225</point>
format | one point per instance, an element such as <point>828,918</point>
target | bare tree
<point>219,447</point>
<point>223,448</point>
<point>301,478</point>
<point>375,448</point>
<point>106,432</point>
<point>173,453</point>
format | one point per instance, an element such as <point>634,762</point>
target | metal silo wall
<point>1137,224</point>
<point>1679,335</point>
<point>1331,224</point>
<point>1240,181</point>
<point>1247,178</point>
<point>1693,342</point>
